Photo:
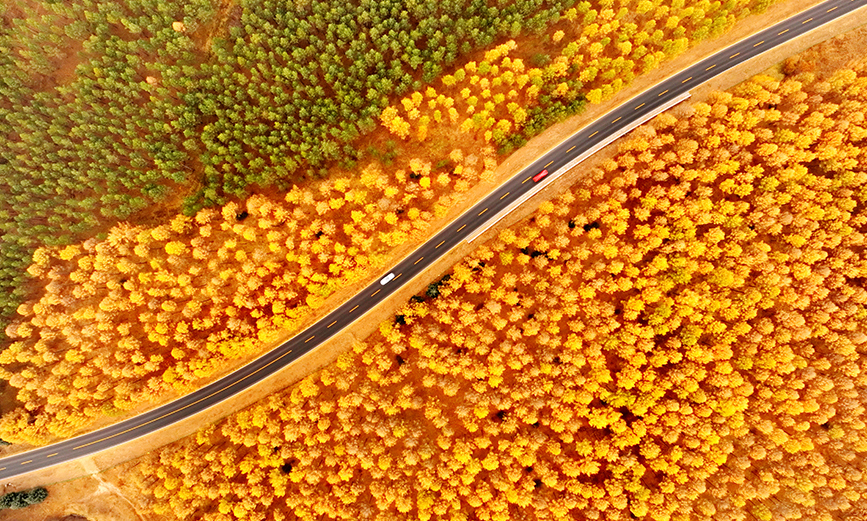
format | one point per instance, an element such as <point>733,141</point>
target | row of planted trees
<point>679,336</point>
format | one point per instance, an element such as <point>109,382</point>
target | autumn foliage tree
<point>151,311</point>
<point>595,51</point>
<point>678,336</point>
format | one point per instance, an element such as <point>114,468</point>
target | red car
<point>538,177</point>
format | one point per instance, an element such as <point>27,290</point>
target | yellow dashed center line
<point>711,67</point>
<point>571,149</point>
<point>618,119</point>
<point>663,92</point>
<point>4,468</point>
<point>686,80</point>
<point>351,310</point>
<point>525,180</point>
<point>807,20</point>
<point>398,276</point>
<point>188,405</point>
<point>440,244</point>
<point>375,292</point>
<point>549,164</point>
<point>761,42</point>
<point>734,55</point>
<point>638,107</point>
<point>783,32</point>
<point>504,195</point>
<point>416,262</point>
<point>829,10</point>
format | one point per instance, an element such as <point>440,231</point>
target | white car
<point>388,278</point>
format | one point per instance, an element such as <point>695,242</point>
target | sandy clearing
<point>91,497</point>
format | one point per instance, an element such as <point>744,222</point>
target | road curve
<point>457,231</point>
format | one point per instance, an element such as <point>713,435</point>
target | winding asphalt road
<point>457,231</point>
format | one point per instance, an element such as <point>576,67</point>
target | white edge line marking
<point>565,168</point>
<point>459,216</point>
<point>721,52</point>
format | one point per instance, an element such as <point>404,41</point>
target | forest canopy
<point>161,101</point>
<point>678,336</point>
<point>110,107</point>
<point>125,110</point>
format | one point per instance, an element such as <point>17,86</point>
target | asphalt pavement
<point>442,242</point>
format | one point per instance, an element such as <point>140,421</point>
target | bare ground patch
<point>90,498</point>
